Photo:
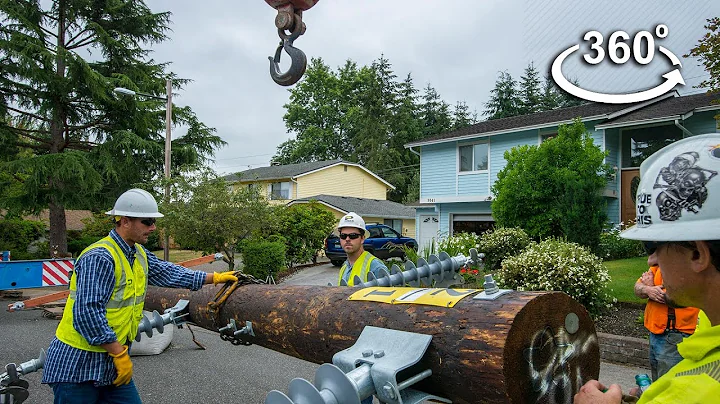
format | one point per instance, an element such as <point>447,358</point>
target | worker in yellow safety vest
<point>88,360</point>
<point>678,221</point>
<point>359,262</point>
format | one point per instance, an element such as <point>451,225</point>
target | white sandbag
<point>152,345</point>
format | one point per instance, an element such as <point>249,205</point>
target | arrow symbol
<point>672,79</point>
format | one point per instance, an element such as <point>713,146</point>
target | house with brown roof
<point>458,168</point>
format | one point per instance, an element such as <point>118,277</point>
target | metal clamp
<point>491,290</point>
<point>237,336</point>
<point>369,367</point>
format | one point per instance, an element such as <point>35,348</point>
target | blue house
<point>458,168</point>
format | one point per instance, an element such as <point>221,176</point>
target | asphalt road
<point>223,373</point>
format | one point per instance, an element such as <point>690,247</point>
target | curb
<point>624,350</point>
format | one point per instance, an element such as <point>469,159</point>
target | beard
<point>671,303</point>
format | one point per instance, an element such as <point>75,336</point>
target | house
<point>456,197</point>
<point>283,183</point>
<point>396,215</point>
<point>340,186</point>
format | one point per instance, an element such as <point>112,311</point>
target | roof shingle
<point>364,206</point>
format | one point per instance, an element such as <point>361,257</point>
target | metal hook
<point>297,57</point>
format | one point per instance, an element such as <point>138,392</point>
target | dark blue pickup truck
<point>383,242</point>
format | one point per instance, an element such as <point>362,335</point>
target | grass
<point>623,274</point>
<point>179,255</point>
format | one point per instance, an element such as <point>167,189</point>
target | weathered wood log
<point>524,347</point>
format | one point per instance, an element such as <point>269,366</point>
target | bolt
<point>367,353</point>
<point>389,391</point>
<point>379,354</point>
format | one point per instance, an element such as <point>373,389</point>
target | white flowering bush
<point>460,243</point>
<point>559,265</point>
<point>613,247</point>
<point>501,243</point>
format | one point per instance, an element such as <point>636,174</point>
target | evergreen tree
<point>504,98</point>
<point>434,113</point>
<point>84,146</point>
<point>462,116</point>
<point>530,91</point>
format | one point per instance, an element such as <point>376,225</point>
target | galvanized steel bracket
<point>389,352</point>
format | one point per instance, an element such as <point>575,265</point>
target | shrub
<point>554,189</point>
<point>501,243</point>
<point>16,235</point>
<point>305,227</point>
<point>559,265</point>
<point>263,257</point>
<point>460,243</point>
<point>613,247</point>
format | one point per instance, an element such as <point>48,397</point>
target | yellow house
<point>339,185</point>
<point>396,215</point>
<point>284,183</point>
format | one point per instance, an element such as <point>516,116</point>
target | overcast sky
<point>457,46</point>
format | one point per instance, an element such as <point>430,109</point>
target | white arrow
<point>672,79</point>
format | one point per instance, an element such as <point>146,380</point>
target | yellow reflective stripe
<point>142,259</point>
<point>114,304</point>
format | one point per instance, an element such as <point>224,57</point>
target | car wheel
<point>337,263</point>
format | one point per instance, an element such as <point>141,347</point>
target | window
<point>639,144</point>
<point>547,136</point>
<point>280,190</point>
<point>396,224</point>
<point>474,157</point>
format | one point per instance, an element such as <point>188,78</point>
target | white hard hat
<point>135,203</point>
<point>352,219</point>
<point>679,194</point>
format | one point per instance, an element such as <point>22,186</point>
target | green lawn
<point>623,274</point>
<point>179,255</point>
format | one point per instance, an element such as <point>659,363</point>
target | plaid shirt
<point>95,272</point>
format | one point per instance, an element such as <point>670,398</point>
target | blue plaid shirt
<point>95,272</point>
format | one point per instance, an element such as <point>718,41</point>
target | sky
<point>457,46</point>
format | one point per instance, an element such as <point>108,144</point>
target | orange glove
<point>222,277</point>
<point>123,365</point>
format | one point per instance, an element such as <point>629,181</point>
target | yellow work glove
<point>222,277</point>
<point>123,365</point>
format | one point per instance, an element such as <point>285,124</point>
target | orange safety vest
<point>659,317</point>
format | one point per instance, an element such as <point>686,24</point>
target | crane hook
<point>297,57</point>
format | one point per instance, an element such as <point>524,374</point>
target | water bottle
<point>643,381</point>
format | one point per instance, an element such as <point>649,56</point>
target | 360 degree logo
<point>619,52</point>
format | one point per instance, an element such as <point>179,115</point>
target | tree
<point>434,113</point>
<point>504,98</point>
<point>554,190</point>
<point>82,146</point>
<point>708,51</point>
<point>208,216</point>
<point>304,227</point>
<point>530,92</point>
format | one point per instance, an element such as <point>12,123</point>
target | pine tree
<point>530,91</point>
<point>84,145</point>
<point>504,98</point>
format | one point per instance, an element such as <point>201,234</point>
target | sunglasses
<point>148,222</point>
<point>652,246</point>
<point>353,236</point>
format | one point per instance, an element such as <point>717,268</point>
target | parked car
<point>383,242</point>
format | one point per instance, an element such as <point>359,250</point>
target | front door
<point>629,181</point>
<point>428,232</point>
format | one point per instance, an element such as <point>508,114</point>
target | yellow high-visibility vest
<point>361,267</point>
<point>124,310</point>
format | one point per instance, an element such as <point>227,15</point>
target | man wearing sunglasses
<point>678,219</point>
<point>359,262</point>
<point>88,360</point>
